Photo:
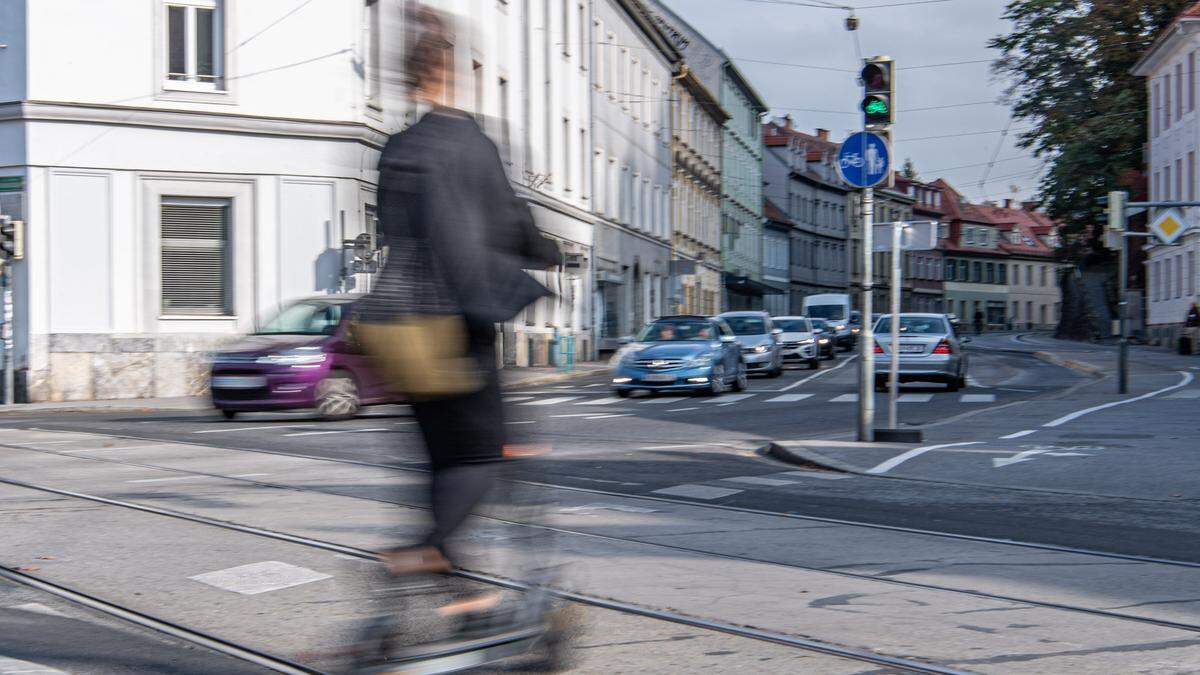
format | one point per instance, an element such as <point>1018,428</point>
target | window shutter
<point>195,257</point>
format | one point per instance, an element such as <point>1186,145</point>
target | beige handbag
<point>424,356</point>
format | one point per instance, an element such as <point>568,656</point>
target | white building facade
<point>632,67</point>
<point>1173,131</point>
<point>186,167</point>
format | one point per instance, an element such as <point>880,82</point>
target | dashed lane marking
<point>523,422</point>
<point>601,401</point>
<point>574,415</point>
<point>978,398</point>
<point>759,480</point>
<point>260,577</point>
<point>257,428</point>
<point>683,409</point>
<point>605,417</point>
<point>697,491</point>
<point>334,431</point>
<point>733,398</point>
<point>550,401</point>
<point>845,398</point>
<point>914,398</point>
<point>789,398</point>
<point>1019,434</point>
<point>661,401</point>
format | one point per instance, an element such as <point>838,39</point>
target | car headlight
<point>824,341</point>
<point>701,361</point>
<point>855,330</point>
<point>761,349</point>
<point>840,327</point>
<point>806,341</point>
<point>294,357</point>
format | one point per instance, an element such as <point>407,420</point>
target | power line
<point>830,5</point>
<point>907,110</point>
<point>810,66</point>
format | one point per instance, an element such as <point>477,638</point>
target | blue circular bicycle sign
<point>863,160</point>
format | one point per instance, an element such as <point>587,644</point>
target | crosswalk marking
<point>659,401</point>
<point>789,398</point>
<point>845,398</point>
<point>822,475</point>
<point>551,401</point>
<point>733,398</point>
<point>914,398</point>
<point>514,399</point>
<point>604,417</point>
<point>600,401</point>
<point>978,398</point>
<point>697,491</point>
<point>759,480</point>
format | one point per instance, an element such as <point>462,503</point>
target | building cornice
<point>190,120</point>
<point>1164,45</point>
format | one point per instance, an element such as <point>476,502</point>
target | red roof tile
<point>774,213</point>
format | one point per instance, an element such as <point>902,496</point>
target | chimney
<point>1008,203</point>
<point>823,134</point>
<point>787,122</point>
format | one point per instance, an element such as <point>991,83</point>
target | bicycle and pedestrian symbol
<point>863,160</point>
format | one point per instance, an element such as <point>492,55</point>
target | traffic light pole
<point>1123,311</point>
<point>894,370</point>
<point>6,277</point>
<point>866,338</point>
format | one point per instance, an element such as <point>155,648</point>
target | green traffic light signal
<point>876,107</point>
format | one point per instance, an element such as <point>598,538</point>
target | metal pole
<point>1123,310</point>
<point>866,339</point>
<point>894,369</point>
<point>9,394</point>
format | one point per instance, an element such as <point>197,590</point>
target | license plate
<point>239,382</point>
<point>659,378</point>
<point>912,349</point>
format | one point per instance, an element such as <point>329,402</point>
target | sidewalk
<point>510,378</point>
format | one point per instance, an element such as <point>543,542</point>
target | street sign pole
<point>866,339</point>
<point>894,370</point>
<point>9,380</point>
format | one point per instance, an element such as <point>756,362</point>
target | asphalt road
<point>666,446</point>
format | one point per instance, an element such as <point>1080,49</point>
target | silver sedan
<point>929,351</point>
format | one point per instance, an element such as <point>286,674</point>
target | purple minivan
<point>303,358</point>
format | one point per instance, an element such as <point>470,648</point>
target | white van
<point>835,309</point>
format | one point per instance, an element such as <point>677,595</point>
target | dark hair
<point>428,40</point>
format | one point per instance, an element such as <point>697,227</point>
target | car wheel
<point>623,393</point>
<point>229,414</point>
<point>337,397</point>
<point>777,370</point>
<point>742,381</point>
<point>716,381</point>
<point>814,364</point>
<point>954,383</point>
<point>881,384</point>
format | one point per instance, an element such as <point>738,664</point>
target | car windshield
<point>791,325</point>
<point>305,318</point>
<point>677,331</point>
<point>747,325</point>
<point>913,325</point>
<point>819,324</point>
<point>832,312</point>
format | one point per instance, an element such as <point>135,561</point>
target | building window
<point>1178,91</point>
<point>1152,282</point>
<point>1179,179</point>
<point>194,45</point>
<point>1166,184</point>
<point>371,52</point>
<point>1191,273</point>
<point>976,272</point>
<point>1191,75</point>
<point>1166,102</point>
<point>990,275</point>
<point>505,127</point>
<point>195,258</point>
<point>1002,274</point>
<point>1165,293</point>
<point>1178,276</point>
<point>969,235</point>
<point>1191,176</point>
<point>1157,107</point>
<point>566,154</point>
<point>1042,273</point>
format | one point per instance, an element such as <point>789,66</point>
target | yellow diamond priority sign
<point>1168,225</point>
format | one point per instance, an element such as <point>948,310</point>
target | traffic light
<point>1116,211</point>
<point>12,238</point>
<point>879,92</point>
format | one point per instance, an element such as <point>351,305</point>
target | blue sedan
<point>680,354</point>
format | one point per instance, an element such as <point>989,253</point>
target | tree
<point>909,170</point>
<point>1069,62</point>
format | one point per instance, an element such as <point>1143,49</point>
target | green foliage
<point>1069,64</point>
<point>909,170</point>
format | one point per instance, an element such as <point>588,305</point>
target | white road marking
<point>1186,394</point>
<point>514,399</point>
<point>668,399</point>
<point>604,417</point>
<point>1185,381</point>
<point>759,480</point>
<point>673,447</point>
<point>683,409</point>
<point>1032,453</point>
<point>1019,434</point>
<point>523,422</point>
<point>601,480</point>
<point>13,666</point>
<point>972,382</point>
<point>731,398</point>
<point>550,401</point>
<point>260,577</point>
<point>819,373</point>
<point>594,384</point>
<point>845,398</point>
<point>118,447</point>
<point>609,507</point>
<point>36,608</point>
<point>77,440</point>
<point>257,428</point>
<point>697,491</point>
<point>822,475</point>
<point>333,431</point>
<point>914,398</point>
<point>565,386</point>
<point>600,401</point>
<point>248,475</point>
<point>977,398</point>
<point>1019,391</point>
<point>915,452</point>
<point>163,480</point>
<point>789,398</point>
<point>588,414</point>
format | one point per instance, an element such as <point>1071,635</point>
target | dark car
<point>826,344</point>
<point>680,354</point>
<point>303,358</point>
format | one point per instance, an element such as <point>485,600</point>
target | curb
<point>809,458</point>
<point>551,378</point>
<point>1078,366</point>
<point>129,407</point>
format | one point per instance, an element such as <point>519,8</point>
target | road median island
<point>1078,366</point>
<point>816,454</point>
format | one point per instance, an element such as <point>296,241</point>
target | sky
<point>751,31</point>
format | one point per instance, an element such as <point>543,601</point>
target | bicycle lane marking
<point>1183,382</point>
